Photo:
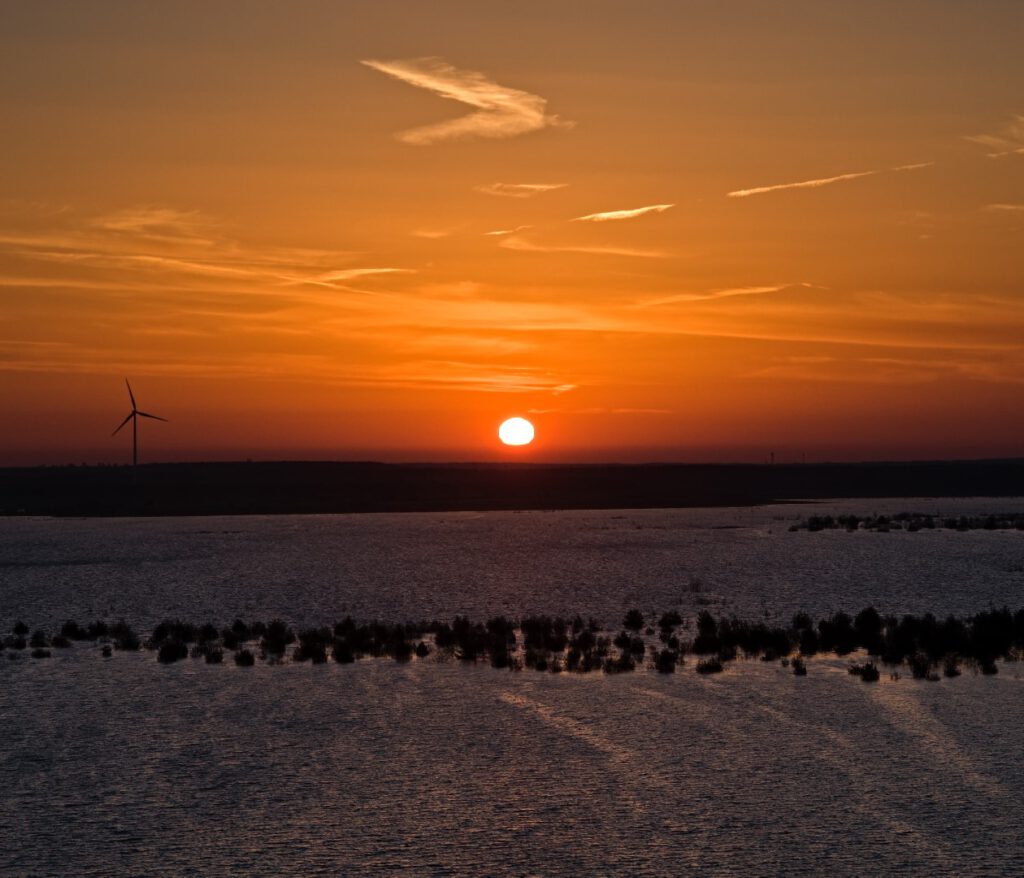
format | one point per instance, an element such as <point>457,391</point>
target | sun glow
<point>516,431</point>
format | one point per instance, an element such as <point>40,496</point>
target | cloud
<point>156,224</point>
<point>1010,141</point>
<point>149,250</point>
<point>622,214</point>
<point>1006,208</point>
<point>722,294</point>
<point>499,232</point>
<point>337,279</point>
<point>823,181</point>
<point>517,190</point>
<point>517,242</point>
<point>890,370</point>
<point>430,234</point>
<point>599,410</point>
<point>500,111</point>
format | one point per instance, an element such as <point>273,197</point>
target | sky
<point>680,231</point>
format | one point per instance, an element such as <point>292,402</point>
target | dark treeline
<point>912,522</point>
<point>924,644</point>
<point>312,487</point>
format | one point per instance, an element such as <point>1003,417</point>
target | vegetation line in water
<point>912,522</point>
<point>924,644</point>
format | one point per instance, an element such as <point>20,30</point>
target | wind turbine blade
<point>131,395</point>
<point>125,421</point>
<point>154,417</point>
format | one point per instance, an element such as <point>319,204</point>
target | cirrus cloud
<point>518,190</point>
<point>823,181</point>
<point>500,111</point>
<point>610,215</point>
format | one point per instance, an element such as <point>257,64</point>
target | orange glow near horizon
<point>373,231</point>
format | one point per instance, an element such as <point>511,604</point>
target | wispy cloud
<point>163,224</point>
<point>518,190</point>
<point>517,242</point>
<point>600,410</point>
<point>152,249</point>
<point>500,232</point>
<point>1005,208</point>
<point>892,370</point>
<point>722,294</point>
<point>339,279</point>
<point>824,181</point>
<point>609,215</point>
<point>1010,140</point>
<point>500,111</point>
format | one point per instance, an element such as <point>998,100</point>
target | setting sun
<point>516,431</point>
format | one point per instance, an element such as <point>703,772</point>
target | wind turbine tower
<point>134,416</point>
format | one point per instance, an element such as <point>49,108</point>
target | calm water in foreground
<point>127,767</point>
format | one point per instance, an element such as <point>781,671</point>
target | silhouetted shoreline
<point>349,487</point>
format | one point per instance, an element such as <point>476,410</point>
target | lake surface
<point>128,767</point>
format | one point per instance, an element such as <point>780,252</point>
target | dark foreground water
<point>128,767</point>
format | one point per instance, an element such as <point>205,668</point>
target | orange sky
<point>660,230</point>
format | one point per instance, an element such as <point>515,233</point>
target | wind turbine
<point>134,416</point>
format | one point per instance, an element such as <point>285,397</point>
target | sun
<point>516,431</point>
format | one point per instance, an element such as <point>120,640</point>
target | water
<point>399,567</point>
<point>127,767</point>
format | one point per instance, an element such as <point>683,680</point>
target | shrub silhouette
<point>276,638</point>
<point>171,651</point>
<point>665,661</point>
<point>244,658</point>
<point>799,667</point>
<point>313,643</point>
<point>173,629</point>
<point>868,672</point>
<point>342,652</point>
<point>73,631</point>
<point>207,633</point>
<point>402,650</point>
<point>836,634</point>
<point>622,663</point>
<point>214,655</point>
<point>543,633</point>
<point>38,639</point>
<point>709,666</point>
<point>124,637</point>
<point>96,630</point>
<point>671,641</point>
<point>920,665</point>
<point>867,627</point>
<point>808,642</point>
<point>634,620</point>
<point>670,620</point>
<point>707,640</point>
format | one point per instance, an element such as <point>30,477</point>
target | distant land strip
<point>268,488</point>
